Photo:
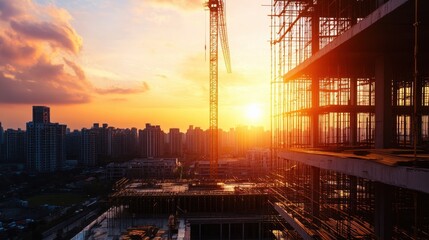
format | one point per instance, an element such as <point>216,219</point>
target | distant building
<point>45,142</point>
<point>150,168</point>
<point>1,133</point>
<point>125,143</point>
<point>227,168</point>
<point>73,144</point>
<point>196,141</point>
<point>103,137</point>
<point>175,142</point>
<point>88,153</point>
<point>41,114</point>
<point>151,141</point>
<point>259,161</point>
<point>1,144</point>
<point>15,146</point>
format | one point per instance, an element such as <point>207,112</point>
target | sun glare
<point>253,112</point>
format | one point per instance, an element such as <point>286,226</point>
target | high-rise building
<point>45,142</point>
<point>73,141</point>
<point>175,142</point>
<point>103,137</point>
<point>197,141</point>
<point>1,143</point>
<point>151,141</point>
<point>88,156</point>
<point>125,143</point>
<point>15,146</point>
<point>41,114</point>
<point>1,134</point>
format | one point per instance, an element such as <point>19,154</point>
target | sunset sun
<point>253,112</point>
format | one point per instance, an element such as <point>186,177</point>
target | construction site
<point>349,135</point>
<point>350,117</point>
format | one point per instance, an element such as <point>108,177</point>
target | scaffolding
<point>340,98</point>
<point>334,205</point>
<point>298,30</point>
<point>324,99</point>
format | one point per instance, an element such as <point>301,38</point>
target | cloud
<point>115,90</point>
<point>11,8</point>
<point>62,35</point>
<point>38,53</point>
<point>16,51</point>
<point>162,76</point>
<point>180,4</point>
<point>38,84</point>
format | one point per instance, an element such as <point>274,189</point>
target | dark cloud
<point>29,71</point>
<point>14,50</point>
<point>32,40</point>
<point>43,82</point>
<point>56,34</point>
<point>10,8</point>
<point>28,91</point>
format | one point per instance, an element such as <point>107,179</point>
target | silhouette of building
<point>141,168</point>
<point>152,141</point>
<point>88,152</point>
<point>175,142</point>
<point>196,141</point>
<point>41,114</point>
<point>15,146</point>
<point>103,136</point>
<point>125,143</point>
<point>73,143</point>
<point>2,157</point>
<point>45,142</point>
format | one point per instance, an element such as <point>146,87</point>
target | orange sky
<point>130,62</point>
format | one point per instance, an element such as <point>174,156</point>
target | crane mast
<point>217,31</point>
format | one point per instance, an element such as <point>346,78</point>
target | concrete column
<point>315,194</point>
<point>383,211</point>
<point>353,194</point>
<point>229,231</point>
<point>314,121</point>
<point>353,113</point>
<point>315,30</point>
<point>383,103</point>
<point>315,79</point>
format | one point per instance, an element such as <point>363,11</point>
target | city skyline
<point>129,63</point>
<point>44,146</point>
<point>166,129</point>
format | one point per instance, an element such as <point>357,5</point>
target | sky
<point>130,62</point>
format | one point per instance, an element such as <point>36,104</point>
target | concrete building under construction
<point>350,134</point>
<point>350,117</point>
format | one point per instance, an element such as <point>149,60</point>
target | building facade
<point>349,117</point>
<point>45,142</point>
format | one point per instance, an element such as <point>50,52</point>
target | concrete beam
<point>293,222</point>
<point>364,167</point>
<point>358,28</point>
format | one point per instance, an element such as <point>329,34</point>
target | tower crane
<point>217,32</point>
